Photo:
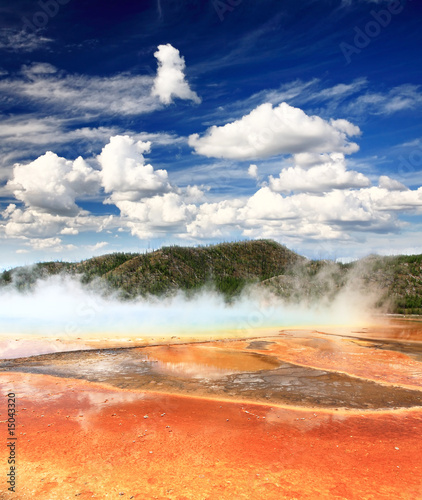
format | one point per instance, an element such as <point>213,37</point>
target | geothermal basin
<point>330,413</point>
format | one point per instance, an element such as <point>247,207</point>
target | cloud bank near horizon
<point>315,197</point>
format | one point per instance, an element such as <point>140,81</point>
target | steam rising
<point>61,308</point>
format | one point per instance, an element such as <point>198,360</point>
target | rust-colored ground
<point>80,439</point>
<point>361,358</point>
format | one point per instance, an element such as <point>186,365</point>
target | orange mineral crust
<point>394,363</point>
<point>78,439</point>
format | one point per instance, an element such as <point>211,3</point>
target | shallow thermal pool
<point>357,370</point>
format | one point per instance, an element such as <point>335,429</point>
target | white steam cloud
<point>62,309</point>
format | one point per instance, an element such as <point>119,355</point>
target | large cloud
<point>124,173</point>
<point>330,174</point>
<point>48,189</point>
<point>31,224</point>
<point>149,205</point>
<point>335,216</point>
<point>51,184</point>
<point>170,81</point>
<point>316,199</point>
<point>157,216</point>
<point>268,131</point>
<point>216,219</point>
<point>24,136</point>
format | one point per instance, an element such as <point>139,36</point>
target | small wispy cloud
<point>22,41</point>
<point>121,94</point>
<point>42,84</point>
<point>400,98</point>
<point>348,3</point>
<point>357,98</point>
<point>97,246</point>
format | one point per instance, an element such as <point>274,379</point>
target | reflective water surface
<point>298,368</point>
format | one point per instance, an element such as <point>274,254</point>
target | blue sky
<point>130,125</point>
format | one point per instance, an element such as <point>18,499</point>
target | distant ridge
<point>229,267</point>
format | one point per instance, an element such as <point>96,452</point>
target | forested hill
<point>229,267</point>
<point>226,266</point>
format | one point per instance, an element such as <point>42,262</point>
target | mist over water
<point>62,308</point>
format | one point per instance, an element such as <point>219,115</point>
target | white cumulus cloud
<point>170,81</point>
<point>51,183</point>
<point>124,172</point>
<point>330,174</point>
<point>391,184</point>
<point>317,198</point>
<point>161,214</point>
<point>268,131</point>
<point>253,171</point>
